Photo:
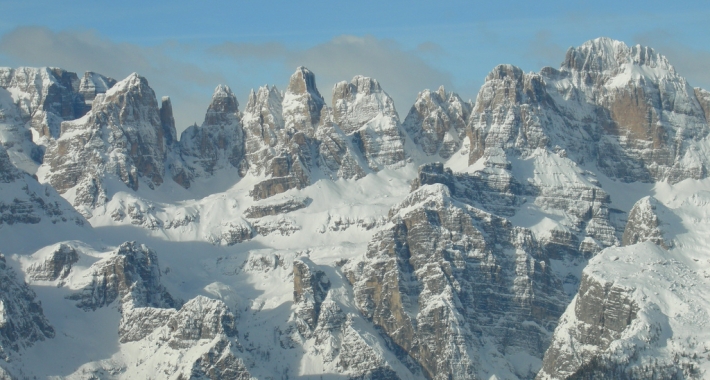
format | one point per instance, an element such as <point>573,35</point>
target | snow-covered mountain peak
<point>222,91</point>
<point>359,85</point>
<point>437,122</point>
<point>264,99</point>
<point>132,83</point>
<point>607,55</point>
<point>441,91</point>
<point>26,78</point>
<point>302,102</point>
<point>43,97</point>
<point>358,102</point>
<point>217,144</point>
<point>132,101</point>
<point>503,71</point>
<point>126,121</point>
<point>224,105</point>
<point>365,85</point>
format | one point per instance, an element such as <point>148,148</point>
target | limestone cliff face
<point>338,154</point>
<point>263,125</point>
<point>56,266</point>
<point>518,130</point>
<point>34,102</point>
<point>362,109</point>
<point>131,274</point>
<point>506,113</point>
<point>625,322</point>
<point>443,278</point>
<point>644,224</point>
<point>302,103</point>
<point>279,134</point>
<point>310,287</point>
<point>437,121</point>
<point>15,137</point>
<point>359,101</point>
<point>23,200</point>
<point>291,135</point>
<point>92,84</point>
<point>217,144</point>
<point>622,108</point>
<point>500,195</point>
<point>601,313</point>
<point>126,122</point>
<point>46,96</point>
<point>331,332</point>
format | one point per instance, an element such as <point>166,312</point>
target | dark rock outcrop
<point>22,321</point>
<point>310,287</point>
<point>131,274</point>
<point>168,121</point>
<point>56,266</point>
<point>261,210</point>
<point>25,201</point>
<point>644,224</point>
<point>92,84</point>
<point>602,312</point>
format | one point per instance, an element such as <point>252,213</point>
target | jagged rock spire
<point>302,102</point>
<point>224,106</point>
<point>218,143</point>
<point>167,121</point>
<point>303,81</point>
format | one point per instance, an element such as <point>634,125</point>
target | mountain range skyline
<point>186,51</point>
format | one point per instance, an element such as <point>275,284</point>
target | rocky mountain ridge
<point>512,237</point>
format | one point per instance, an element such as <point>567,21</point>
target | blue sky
<point>186,48</point>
